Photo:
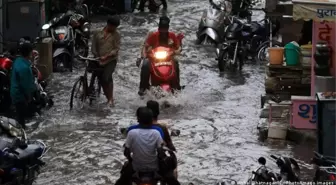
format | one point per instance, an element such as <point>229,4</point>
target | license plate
<point>163,64</point>
<point>58,31</point>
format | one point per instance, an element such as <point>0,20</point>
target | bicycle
<point>87,91</point>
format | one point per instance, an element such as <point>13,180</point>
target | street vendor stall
<point>323,12</point>
<point>307,113</point>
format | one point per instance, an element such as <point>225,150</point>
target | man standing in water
<point>22,82</point>
<point>106,45</point>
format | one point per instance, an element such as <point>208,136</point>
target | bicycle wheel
<point>78,92</point>
<point>96,89</point>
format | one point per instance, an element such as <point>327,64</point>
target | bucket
<point>292,54</point>
<point>276,55</point>
<point>277,131</point>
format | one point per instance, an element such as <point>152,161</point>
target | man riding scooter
<point>162,37</point>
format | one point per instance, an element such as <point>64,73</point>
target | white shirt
<point>143,144</point>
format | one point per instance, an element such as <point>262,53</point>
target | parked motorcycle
<point>213,22</point>
<point>289,171</point>
<point>21,159</point>
<point>325,168</point>
<point>244,41</point>
<point>153,5</point>
<point>41,98</point>
<point>61,30</point>
<point>231,53</point>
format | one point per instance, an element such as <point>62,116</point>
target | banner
<point>317,10</point>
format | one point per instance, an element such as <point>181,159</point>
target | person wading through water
<point>106,45</point>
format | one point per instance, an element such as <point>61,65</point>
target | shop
<point>309,74</point>
<point>318,111</point>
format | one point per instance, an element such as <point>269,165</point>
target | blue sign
<point>308,112</point>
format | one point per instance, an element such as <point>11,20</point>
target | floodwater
<point>217,115</point>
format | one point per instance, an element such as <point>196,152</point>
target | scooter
<point>213,22</point>
<point>325,168</point>
<point>289,171</point>
<point>60,29</point>
<point>153,5</point>
<point>21,159</point>
<point>162,70</point>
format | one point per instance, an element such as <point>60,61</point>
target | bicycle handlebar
<point>274,157</point>
<point>89,58</point>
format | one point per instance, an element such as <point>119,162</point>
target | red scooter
<point>163,71</point>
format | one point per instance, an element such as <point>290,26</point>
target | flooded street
<point>217,115</point>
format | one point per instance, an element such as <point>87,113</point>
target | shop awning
<point>314,9</point>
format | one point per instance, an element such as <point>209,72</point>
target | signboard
<point>304,112</point>
<point>314,9</point>
<point>307,112</point>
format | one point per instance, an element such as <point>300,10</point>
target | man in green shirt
<point>22,82</point>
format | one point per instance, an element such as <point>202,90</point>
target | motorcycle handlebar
<point>274,157</point>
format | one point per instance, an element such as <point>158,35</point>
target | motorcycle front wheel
<point>64,59</point>
<point>222,58</point>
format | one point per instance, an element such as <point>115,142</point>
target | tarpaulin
<point>317,10</point>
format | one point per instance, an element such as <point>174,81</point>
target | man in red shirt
<point>162,37</point>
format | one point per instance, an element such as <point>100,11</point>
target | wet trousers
<point>127,173</point>
<point>145,74</point>
<point>22,111</point>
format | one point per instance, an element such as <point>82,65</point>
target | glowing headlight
<point>86,30</point>
<point>160,55</point>
<point>15,131</point>
<point>46,26</point>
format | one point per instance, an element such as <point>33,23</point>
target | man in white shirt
<point>143,142</point>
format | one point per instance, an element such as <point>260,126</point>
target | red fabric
<point>153,40</point>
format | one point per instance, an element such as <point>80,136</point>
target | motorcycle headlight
<point>15,131</point>
<point>230,35</point>
<point>86,28</point>
<point>46,26</point>
<point>160,55</point>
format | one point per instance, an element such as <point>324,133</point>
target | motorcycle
<point>6,62</point>
<point>231,52</point>
<point>289,171</point>
<point>61,30</point>
<point>325,168</point>
<point>255,38</point>
<point>213,22</point>
<point>162,67</point>
<point>41,98</point>
<point>154,178</point>
<point>153,5</point>
<point>21,159</point>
